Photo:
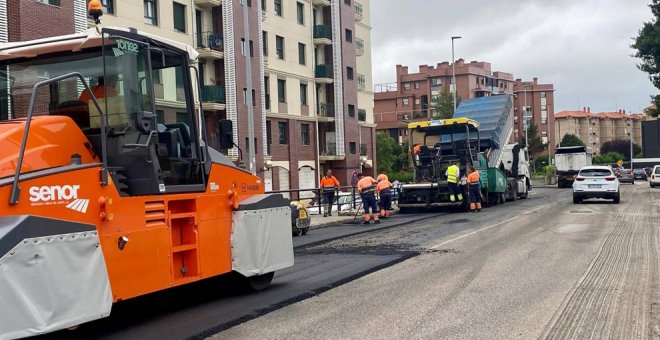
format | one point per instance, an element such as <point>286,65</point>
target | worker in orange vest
<point>384,190</point>
<point>474,190</point>
<point>329,185</point>
<point>366,187</point>
<point>415,153</point>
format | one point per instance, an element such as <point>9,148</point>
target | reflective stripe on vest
<point>452,171</point>
<point>329,188</point>
<point>368,189</point>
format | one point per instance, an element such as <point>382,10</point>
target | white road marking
<point>492,225</point>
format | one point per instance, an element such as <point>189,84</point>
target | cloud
<point>582,47</point>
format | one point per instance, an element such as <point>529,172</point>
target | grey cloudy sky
<point>581,46</point>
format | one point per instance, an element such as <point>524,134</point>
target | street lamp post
<point>453,69</point>
<point>630,127</point>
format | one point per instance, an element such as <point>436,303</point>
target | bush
<point>401,176</point>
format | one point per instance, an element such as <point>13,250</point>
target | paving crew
<point>366,187</point>
<point>474,190</point>
<point>453,174</point>
<point>329,185</point>
<point>384,190</point>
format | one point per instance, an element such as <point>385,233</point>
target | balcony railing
<point>358,11</point>
<point>329,150</point>
<point>323,32</point>
<point>361,82</point>
<point>323,71</point>
<point>210,40</point>
<point>362,115</point>
<point>359,46</point>
<point>326,110</point>
<point>363,149</point>
<point>213,93</point>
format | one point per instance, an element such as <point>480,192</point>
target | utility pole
<point>248,96</point>
<point>630,126</point>
<point>453,69</point>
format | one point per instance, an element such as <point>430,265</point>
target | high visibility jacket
<point>329,184</point>
<point>473,177</point>
<point>453,173</point>
<point>384,186</point>
<point>366,184</point>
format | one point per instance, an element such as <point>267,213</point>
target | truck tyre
<point>561,184</point>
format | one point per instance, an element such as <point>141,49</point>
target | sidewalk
<point>318,221</point>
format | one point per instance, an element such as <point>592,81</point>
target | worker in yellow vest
<point>453,175</point>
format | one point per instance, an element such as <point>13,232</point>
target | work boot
<point>377,221</point>
<point>365,222</point>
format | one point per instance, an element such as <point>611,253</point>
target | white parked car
<point>596,182</point>
<point>345,203</point>
<point>654,178</point>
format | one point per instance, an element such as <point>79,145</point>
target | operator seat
<point>77,110</point>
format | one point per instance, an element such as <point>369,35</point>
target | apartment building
<point>534,101</point>
<point>595,129</point>
<point>410,97</point>
<point>307,63</point>
<point>317,90</point>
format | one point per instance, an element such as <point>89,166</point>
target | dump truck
<point>568,161</point>
<point>504,171</point>
<point>111,190</point>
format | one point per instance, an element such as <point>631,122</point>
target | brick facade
<point>28,20</point>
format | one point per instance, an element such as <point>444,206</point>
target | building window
<point>50,2</point>
<point>247,145</point>
<point>417,102</point>
<point>283,131</point>
<point>303,94</point>
<point>349,72</point>
<point>251,49</point>
<point>405,101</point>
<point>245,98</point>
<point>264,37</point>
<point>348,2</point>
<point>279,47</point>
<point>301,54</point>
<point>406,86</point>
<point>151,12</point>
<point>353,148</point>
<point>278,7</point>
<point>263,5</point>
<point>281,91</point>
<point>300,9</point>
<point>542,94</point>
<point>267,92</point>
<point>349,35</point>
<point>304,134</point>
<point>417,85</point>
<point>351,110</point>
<point>179,17</point>
<point>269,137</point>
<point>249,2</point>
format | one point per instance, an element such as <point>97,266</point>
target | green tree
<point>571,140</point>
<point>607,158</point>
<point>442,105</point>
<point>622,147</point>
<point>391,156</point>
<point>536,145</point>
<point>647,44</point>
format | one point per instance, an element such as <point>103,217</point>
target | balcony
<point>359,47</point>
<point>361,82</point>
<point>323,35</point>
<point>362,115</point>
<point>329,152</point>
<point>208,3</point>
<point>213,97</point>
<point>210,45</point>
<point>323,74</point>
<point>358,11</point>
<point>326,112</point>
<point>321,3</point>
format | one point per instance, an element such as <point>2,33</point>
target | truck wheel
<point>524,196</point>
<point>259,282</point>
<point>561,184</point>
<point>305,231</point>
<point>502,198</point>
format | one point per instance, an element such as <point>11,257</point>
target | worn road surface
<point>535,268</point>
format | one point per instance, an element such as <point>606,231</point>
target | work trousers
<point>330,198</point>
<point>454,191</point>
<point>475,193</point>
<point>385,201</point>
<point>369,202</point>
